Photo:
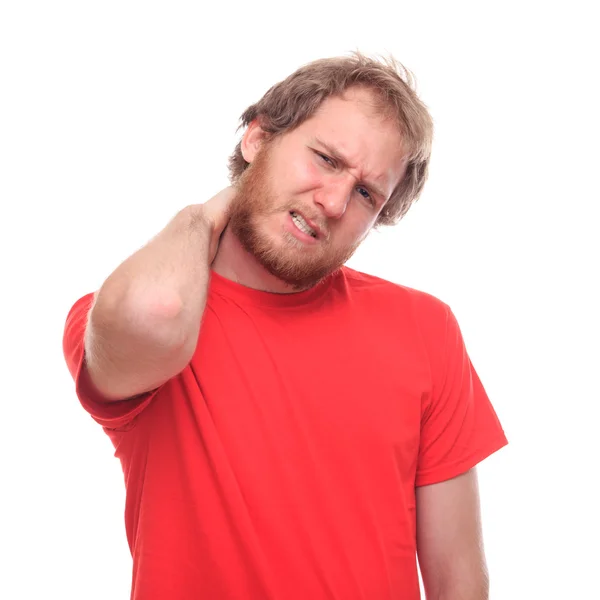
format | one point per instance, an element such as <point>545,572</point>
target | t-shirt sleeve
<point>459,427</point>
<point>113,415</point>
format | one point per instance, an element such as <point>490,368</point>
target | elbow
<point>155,316</point>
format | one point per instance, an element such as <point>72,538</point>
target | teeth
<point>302,225</point>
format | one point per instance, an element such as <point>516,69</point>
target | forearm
<point>161,289</point>
<point>474,586</point>
<point>449,540</point>
<point>469,594</point>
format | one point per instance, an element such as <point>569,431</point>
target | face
<point>310,196</point>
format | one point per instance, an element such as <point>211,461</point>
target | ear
<point>253,138</point>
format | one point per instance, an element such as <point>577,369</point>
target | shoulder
<point>390,296</point>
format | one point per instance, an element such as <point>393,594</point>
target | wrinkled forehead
<point>370,142</point>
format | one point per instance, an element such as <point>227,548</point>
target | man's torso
<point>281,462</point>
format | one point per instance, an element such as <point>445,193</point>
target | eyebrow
<point>342,160</point>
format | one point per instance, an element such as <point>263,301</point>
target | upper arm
<point>98,399</point>
<point>449,538</point>
<point>459,426</point>
<point>129,355</point>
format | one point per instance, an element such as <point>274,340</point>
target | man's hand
<point>215,212</point>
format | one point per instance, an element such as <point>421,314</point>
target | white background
<point>114,115</point>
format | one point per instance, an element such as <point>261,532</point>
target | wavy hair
<point>292,101</point>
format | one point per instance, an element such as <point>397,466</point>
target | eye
<point>365,194</point>
<point>325,159</point>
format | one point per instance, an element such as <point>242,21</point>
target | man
<point>290,428</point>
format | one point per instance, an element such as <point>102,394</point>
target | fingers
<point>216,212</point>
<point>217,207</point>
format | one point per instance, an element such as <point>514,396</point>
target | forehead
<point>371,143</point>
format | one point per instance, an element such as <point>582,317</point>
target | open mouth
<point>302,225</point>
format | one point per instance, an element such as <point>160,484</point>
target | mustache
<point>253,198</point>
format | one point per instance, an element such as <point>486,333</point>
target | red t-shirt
<point>281,463</point>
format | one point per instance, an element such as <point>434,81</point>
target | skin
<point>449,540</point>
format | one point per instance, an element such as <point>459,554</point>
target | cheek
<point>303,175</point>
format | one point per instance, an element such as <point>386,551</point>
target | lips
<point>304,221</point>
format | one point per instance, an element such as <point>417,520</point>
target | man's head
<point>338,147</point>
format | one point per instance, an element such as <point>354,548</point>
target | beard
<point>297,264</point>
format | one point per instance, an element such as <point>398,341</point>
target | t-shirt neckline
<point>243,294</point>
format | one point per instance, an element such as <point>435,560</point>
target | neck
<point>233,262</point>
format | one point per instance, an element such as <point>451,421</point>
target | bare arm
<point>144,324</point>
<point>449,540</point>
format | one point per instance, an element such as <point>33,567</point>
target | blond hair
<point>295,99</point>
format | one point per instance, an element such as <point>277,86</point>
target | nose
<point>334,196</point>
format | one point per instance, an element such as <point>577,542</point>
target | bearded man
<point>290,428</point>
